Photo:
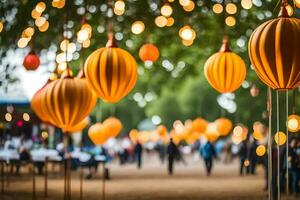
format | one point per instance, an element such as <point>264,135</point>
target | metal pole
<point>270,167</point>
<point>287,145</point>
<point>278,146</point>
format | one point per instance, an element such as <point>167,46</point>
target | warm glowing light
<point>62,67</point>
<point>161,21</point>
<point>187,42</point>
<point>58,3</point>
<point>238,131</point>
<point>246,163</point>
<point>40,21</point>
<point>87,27</point>
<point>257,135</point>
<point>40,7</point>
<point>187,33</point>
<point>246,4</point>
<point>293,123</point>
<point>35,14</point>
<point>44,134</point>
<point>86,43</point>
<point>190,7</point>
<point>23,42</point>
<point>184,2</point>
<point>28,32</point>
<point>230,21</point>
<point>260,150</point>
<point>26,117</point>
<point>53,76</point>
<point>82,35</point>
<point>119,12</point>
<point>166,10</point>
<point>64,45</point>
<point>170,21</point>
<point>44,27</point>
<point>1,26</point>
<point>137,27</point>
<point>231,8</point>
<point>8,117</point>
<point>217,8</point>
<point>297,3</point>
<point>280,138</point>
<point>119,5</point>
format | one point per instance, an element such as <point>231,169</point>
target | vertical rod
<point>46,179</point>
<point>81,183</point>
<point>278,145</point>
<point>270,167</point>
<point>287,144</point>
<point>33,182</point>
<point>103,182</point>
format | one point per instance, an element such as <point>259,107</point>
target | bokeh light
<point>260,150</point>
<point>293,123</point>
<point>26,117</point>
<point>280,138</point>
<point>247,4</point>
<point>137,27</point>
<point>230,21</point>
<point>218,8</point>
<point>8,117</point>
<point>231,8</point>
<point>166,10</point>
<point>161,21</point>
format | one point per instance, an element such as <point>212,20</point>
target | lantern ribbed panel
<point>111,73</point>
<point>67,101</point>
<point>225,71</point>
<point>274,50</point>
<point>36,104</point>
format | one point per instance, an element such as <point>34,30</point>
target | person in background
<point>173,153</point>
<point>252,157</point>
<point>138,151</point>
<point>208,153</point>
<point>243,152</point>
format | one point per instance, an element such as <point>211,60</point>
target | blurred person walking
<point>138,151</point>
<point>208,152</point>
<point>173,154</point>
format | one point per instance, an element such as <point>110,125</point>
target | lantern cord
<point>110,20</point>
<point>278,145</point>
<point>270,168</point>
<point>287,144</point>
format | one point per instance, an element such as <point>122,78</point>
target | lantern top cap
<point>225,45</point>
<point>111,43</point>
<point>283,11</point>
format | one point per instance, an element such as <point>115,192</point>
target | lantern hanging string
<point>270,168</point>
<point>278,144</point>
<point>287,144</point>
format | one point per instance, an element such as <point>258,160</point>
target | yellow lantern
<point>67,101</point>
<point>225,70</point>
<point>114,126</point>
<point>111,72</point>
<point>293,123</point>
<point>98,134</point>
<point>274,51</point>
<point>224,126</point>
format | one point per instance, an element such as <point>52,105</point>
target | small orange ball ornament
<point>31,61</point>
<point>98,133</point>
<point>113,125</point>
<point>111,72</point>
<point>149,52</point>
<point>224,126</point>
<point>225,70</point>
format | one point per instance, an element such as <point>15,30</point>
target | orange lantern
<point>162,130</point>
<point>199,125</point>
<point>31,61</point>
<point>36,103</point>
<point>149,52</point>
<point>225,70</point>
<point>133,135</point>
<point>111,72</point>
<point>67,101</point>
<point>212,133</point>
<point>224,126</point>
<point>98,133</point>
<point>274,51</point>
<point>114,126</point>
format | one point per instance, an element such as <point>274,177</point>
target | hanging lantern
<point>31,61</point>
<point>149,52</point>
<point>36,103</point>
<point>98,133</point>
<point>297,3</point>
<point>254,91</point>
<point>274,51</point>
<point>113,125</point>
<point>224,126</point>
<point>199,125</point>
<point>293,123</point>
<point>111,72</point>
<point>67,101</point>
<point>225,70</point>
